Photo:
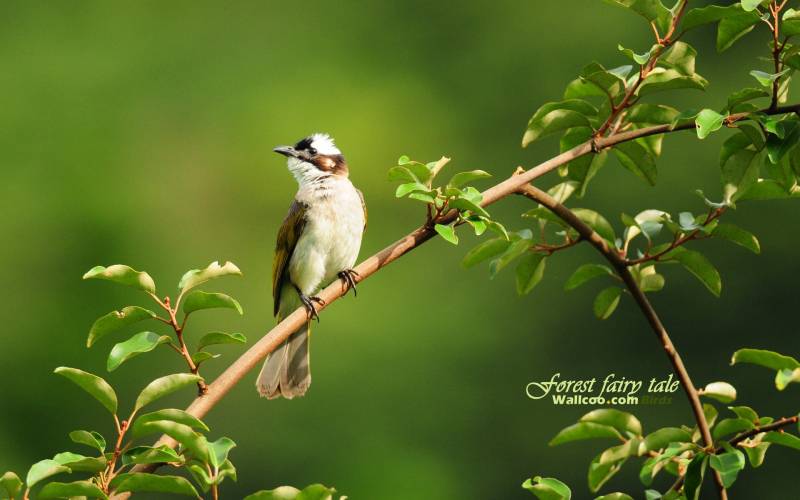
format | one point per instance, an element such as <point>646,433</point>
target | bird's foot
<point>349,277</point>
<point>311,309</point>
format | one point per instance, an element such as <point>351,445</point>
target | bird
<point>319,240</point>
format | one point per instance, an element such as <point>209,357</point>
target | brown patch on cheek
<point>334,164</point>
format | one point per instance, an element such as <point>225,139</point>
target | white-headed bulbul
<point>318,241</point>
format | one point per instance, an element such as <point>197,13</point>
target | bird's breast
<point>332,236</point>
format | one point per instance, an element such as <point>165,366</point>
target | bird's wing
<point>364,206</point>
<point>288,234</point>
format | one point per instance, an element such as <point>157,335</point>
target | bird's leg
<point>349,277</point>
<point>308,302</point>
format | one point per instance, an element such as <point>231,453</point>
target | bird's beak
<point>286,151</point>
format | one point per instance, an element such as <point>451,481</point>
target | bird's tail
<point>287,371</point>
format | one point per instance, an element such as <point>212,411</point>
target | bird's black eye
<point>312,151</point>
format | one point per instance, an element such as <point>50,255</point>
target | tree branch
<point>272,339</point>
<point>621,266</point>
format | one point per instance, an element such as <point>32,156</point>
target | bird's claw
<point>349,277</point>
<point>311,309</point>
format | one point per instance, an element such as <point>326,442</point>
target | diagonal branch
<point>272,339</point>
<point>621,267</point>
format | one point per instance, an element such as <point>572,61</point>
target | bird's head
<point>314,158</point>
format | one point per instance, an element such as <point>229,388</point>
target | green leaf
<point>404,189</point>
<point>80,463</point>
<point>226,470</point>
<point>728,465</point>
<point>733,27</point>
<point>584,430</point>
<point>621,421</point>
<point>767,79</point>
<point>728,426</point>
<point>447,232</point>
<point>615,496</point>
<point>162,386</point>
<point>10,485</point>
<point>202,356</point>
<point>115,320</point>
<point>462,178</point>
<point>652,10</point>
<point>123,275</point>
<point>756,454</point>
<point>737,235</point>
<point>150,455</point>
<point>661,438</point>
<point>766,189</point>
<point>399,173</point>
<point>91,439</point>
<point>744,95</point>
<point>44,469</point>
<point>411,171</point>
<point>606,302</point>
<point>173,415</point>
<point>218,451</point>
<point>423,197</point>
<point>777,147</point>
<point>597,222</point>
<point>706,15</point>
<point>739,173</point>
<point>137,482</point>
<point>313,492</point>
<point>557,116</point>
<point>138,344</point>
<point>662,79</point>
<point>721,391</point>
<point>192,441</point>
<point>649,280</point>
<point>701,268</point>
<point>484,251</point>
<point>767,359</point>
<point>197,277</point>
<point>680,57</point>
<point>585,273</point>
<point>639,59</point>
<point>201,476</point>
<point>465,205</point>
<point>616,453</point>
<point>694,476</point>
<point>529,272</point>
<point>749,5</point>
<point>215,338</point>
<point>516,249</point>
<point>783,439</point>
<point>583,168</point>
<point>710,413</point>
<point>651,114</point>
<point>584,173</point>
<point>94,385</point>
<point>744,412</point>
<point>634,157</point>
<point>786,377</point>
<point>601,472</point>
<point>198,300</point>
<point>547,488</point>
<point>69,490</point>
<point>790,24</point>
<point>708,121</point>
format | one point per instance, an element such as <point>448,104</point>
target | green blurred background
<point>141,133</point>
